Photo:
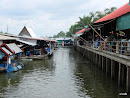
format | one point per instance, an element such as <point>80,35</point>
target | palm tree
<point>108,11</point>
<point>99,14</point>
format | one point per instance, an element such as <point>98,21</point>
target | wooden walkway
<point>116,65</point>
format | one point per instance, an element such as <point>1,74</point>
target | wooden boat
<point>9,53</point>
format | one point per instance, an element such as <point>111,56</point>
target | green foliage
<point>1,32</point>
<point>61,34</point>
<point>85,20</point>
<point>68,34</point>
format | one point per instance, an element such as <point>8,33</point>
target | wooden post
<point>87,54</point>
<point>96,59</point>
<point>93,57</point>
<point>128,80</point>
<point>112,69</point>
<point>119,74</point>
<point>121,77</point>
<point>106,65</point>
<point>122,74</point>
<point>102,63</point>
<point>99,61</point>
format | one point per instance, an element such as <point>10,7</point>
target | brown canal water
<point>64,75</point>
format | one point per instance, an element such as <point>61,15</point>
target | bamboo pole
<point>102,38</point>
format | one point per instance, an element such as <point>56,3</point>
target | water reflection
<point>92,82</point>
<point>12,83</point>
<point>64,75</point>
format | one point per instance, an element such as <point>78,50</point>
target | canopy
<point>6,51</point>
<point>14,48</point>
<point>119,12</point>
<point>25,42</point>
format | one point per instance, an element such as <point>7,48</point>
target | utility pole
<point>7,28</point>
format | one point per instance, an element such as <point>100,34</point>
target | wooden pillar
<point>119,74</point>
<point>122,74</point>
<point>121,78</point>
<point>113,69</point>
<point>96,59</point>
<point>128,80</point>
<point>99,61</point>
<point>88,54</point>
<point>106,65</point>
<point>91,56</point>
<point>102,62</point>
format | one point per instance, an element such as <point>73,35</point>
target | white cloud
<point>96,5</point>
<point>48,17</point>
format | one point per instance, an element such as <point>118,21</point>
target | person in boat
<point>28,53</point>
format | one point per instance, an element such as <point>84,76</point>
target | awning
<point>14,48</point>
<point>6,51</point>
<point>25,42</point>
<point>119,12</point>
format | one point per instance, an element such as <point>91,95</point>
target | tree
<point>68,34</point>
<point>108,11</point>
<point>61,34</point>
<point>85,20</point>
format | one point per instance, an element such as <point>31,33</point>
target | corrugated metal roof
<point>14,48</point>
<point>81,31</point>
<point>27,32</point>
<point>2,37</point>
<point>6,51</point>
<point>119,12</point>
<point>31,32</point>
<point>28,43</point>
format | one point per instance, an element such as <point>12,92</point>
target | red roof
<point>119,12</point>
<point>81,31</point>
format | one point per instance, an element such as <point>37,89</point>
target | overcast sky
<point>48,17</point>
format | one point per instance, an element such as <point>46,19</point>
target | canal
<point>64,75</point>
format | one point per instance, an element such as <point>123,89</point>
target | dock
<point>115,65</point>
